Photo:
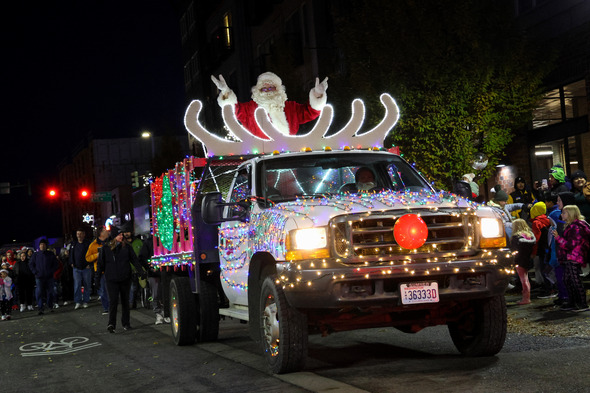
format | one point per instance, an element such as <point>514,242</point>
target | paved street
<point>70,350</point>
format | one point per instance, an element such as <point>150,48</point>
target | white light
<point>146,134</point>
<point>491,227</point>
<point>309,238</point>
<point>573,162</point>
<point>544,153</point>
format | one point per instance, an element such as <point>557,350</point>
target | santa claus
<point>269,94</point>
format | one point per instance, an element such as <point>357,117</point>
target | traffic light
<point>84,193</point>
<point>135,179</point>
<point>52,193</point>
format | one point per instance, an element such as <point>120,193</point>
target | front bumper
<point>331,284</point>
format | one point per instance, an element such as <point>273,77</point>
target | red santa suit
<point>287,118</point>
<point>295,113</point>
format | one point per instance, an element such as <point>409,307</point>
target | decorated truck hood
<point>269,228</point>
<point>319,210</point>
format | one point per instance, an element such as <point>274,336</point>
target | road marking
<point>305,380</point>
<point>61,347</point>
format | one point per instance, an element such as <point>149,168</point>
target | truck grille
<point>361,238</point>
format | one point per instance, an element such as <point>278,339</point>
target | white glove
<point>220,83</point>
<point>320,88</point>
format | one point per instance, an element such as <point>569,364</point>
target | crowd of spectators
<point>114,265</point>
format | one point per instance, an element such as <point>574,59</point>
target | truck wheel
<point>182,311</point>
<point>482,332</point>
<point>208,312</point>
<point>283,330</point>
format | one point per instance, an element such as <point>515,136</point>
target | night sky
<point>110,68</point>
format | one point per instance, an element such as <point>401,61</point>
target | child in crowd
<point>523,241</point>
<point>5,294</point>
<point>571,253</point>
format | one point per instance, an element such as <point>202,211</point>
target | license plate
<point>419,292</point>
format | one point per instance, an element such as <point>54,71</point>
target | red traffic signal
<point>52,193</point>
<point>84,193</point>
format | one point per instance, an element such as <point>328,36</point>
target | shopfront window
<point>566,152</point>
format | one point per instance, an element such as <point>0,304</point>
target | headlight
<point>492,233</point>
<point>491,227</point>
<point>308,243</point>
<point>309,239</point>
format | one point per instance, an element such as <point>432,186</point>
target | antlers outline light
<point>316,139</point>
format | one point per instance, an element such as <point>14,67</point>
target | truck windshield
<point>291,177</point>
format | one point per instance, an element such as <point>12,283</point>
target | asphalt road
<point>71,351</point>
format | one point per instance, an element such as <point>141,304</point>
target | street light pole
<point>147,134</point>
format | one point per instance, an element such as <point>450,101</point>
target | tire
<point>182,311</point>
<point>483,331</point>
<point>283,330</point>
<point>208,312</point>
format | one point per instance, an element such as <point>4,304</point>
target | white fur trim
<point>317,103</point>
<point>227,98</point>
<point>279,121</point>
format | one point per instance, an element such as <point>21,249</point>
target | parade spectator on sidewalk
<point>523,242</point>
<point>136,244</point>
<point>578,179</point>
<point>557,179</point>
<point>67,277</point>
<point>115,261</point>
<point>552,202</point>
<point>25,282</point>
<point>92,258</point>
<point>499,201</point>
<point>573,247</point>
<point>521,194</point>
<point>10,258</point>
<point>43,264</point>
<point>82,270</point>
<point>540,225</point>
<point>5,294</point>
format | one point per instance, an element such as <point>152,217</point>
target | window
<point>227,33</point>
<point>561,104</point>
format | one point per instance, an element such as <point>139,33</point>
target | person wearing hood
<point>540,225</point>
<point>579,180</point>
<point>557,179</point>
<point>500,202</point>
<point>573,247</point>
<point>521,194</point>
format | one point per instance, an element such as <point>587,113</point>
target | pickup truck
<point>286,242</point>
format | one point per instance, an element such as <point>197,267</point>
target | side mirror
<point>212,209</point>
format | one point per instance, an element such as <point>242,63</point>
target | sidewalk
<point>542,318</point>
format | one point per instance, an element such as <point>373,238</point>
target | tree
<point>462,74</point>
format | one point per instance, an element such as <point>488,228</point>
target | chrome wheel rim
<point>270,326</point>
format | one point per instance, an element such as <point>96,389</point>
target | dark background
<point>76,68</point>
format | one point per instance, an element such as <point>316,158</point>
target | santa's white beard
<point>274,103</point>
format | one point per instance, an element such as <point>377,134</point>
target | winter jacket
<point>524,244</point>
<point>540,225</point>
<point>574,243</point>
<point>582,204</point>
<point>555,219</point>
<point>5,288</point>
<point>518,196</point>
<point>43,264</point>
<point>116,263</point>
<point>505,213</point>
<point>22,269</point>
<point>92,253</point>
<point>78,254</point>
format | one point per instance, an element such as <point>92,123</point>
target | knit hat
<point>538,209</point>
<point>558,173</point>
<point>501,195</point>
<point>4,271</point>
<point>115,231</point>
<point>567,198</point>
<point>578,174</point>
<point>469,177</point>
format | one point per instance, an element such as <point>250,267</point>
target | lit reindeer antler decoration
<point>316,139</point>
